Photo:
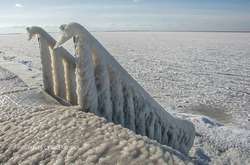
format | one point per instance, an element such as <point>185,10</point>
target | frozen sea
<point>201,76</point>
<point>204,73</point>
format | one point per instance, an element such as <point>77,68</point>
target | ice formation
<point>103,87</point>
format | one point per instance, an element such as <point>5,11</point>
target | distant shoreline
<point>138,31</point>
<point>172,31</point>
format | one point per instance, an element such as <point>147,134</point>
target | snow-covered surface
<point>216,143</point>
<point>198,73</point>
<point>61,135</point>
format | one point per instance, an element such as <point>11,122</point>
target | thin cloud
<point>18,5</point>
<point>136,1</point>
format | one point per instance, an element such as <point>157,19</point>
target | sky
<point>109,15</point>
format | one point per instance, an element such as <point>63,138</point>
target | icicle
<point>116,97</point>
<point>128,108</point>
<point>103,86</point>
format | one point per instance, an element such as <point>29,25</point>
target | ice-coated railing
<point>58,68</point>
<point>94,80</point>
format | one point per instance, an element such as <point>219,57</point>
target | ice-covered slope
<point>35,129</point>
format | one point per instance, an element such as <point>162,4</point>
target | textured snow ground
<point>199,73</point>
<point>63,135</point>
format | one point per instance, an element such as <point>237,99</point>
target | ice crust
<point>62,135</point>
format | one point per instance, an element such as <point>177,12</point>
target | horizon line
<point>181,31</point>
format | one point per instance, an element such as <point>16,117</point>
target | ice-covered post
<point>86,88</point>
<point>44,41</point>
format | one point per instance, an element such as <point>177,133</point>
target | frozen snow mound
<point>94,80</point>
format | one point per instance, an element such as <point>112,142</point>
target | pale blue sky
<point>156,15</point>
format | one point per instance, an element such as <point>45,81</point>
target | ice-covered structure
<point>36,129</point>
<point>94,80</point>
